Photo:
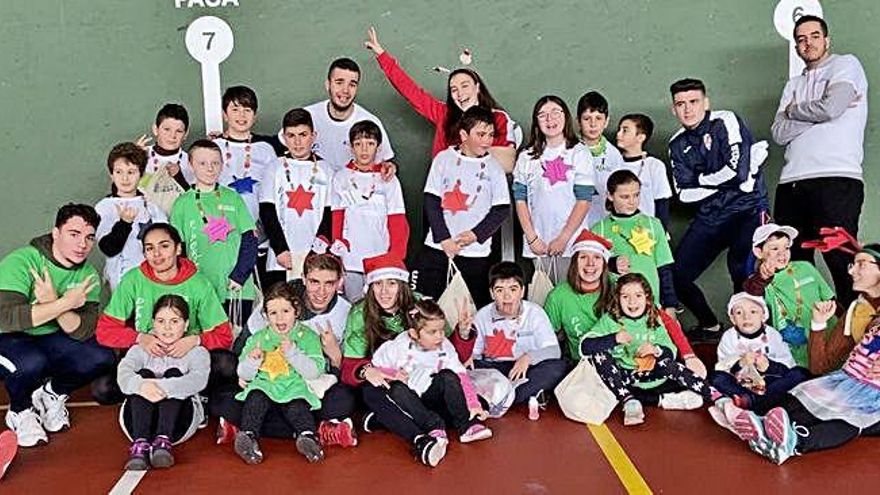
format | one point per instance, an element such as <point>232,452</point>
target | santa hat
<point>384,267</point>
<point>745,296</point>
<point>588,241</point>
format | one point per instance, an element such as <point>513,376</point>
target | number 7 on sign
<point>209,40</point>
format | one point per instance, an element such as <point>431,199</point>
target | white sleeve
<point>522,173</point>
<point>544,334</point>
<point>434,181</point>
<point>386,356</point>
<point>727,355</point>
<point>267,191</point>
<point>386,151</point>
<point>106,209</point>
<point>662,190</point>
<point>336,202</point>
<point>850,71</point>
<point>584,170</point>
<point>394,197</point>
<point>500,191</point>
<point>452,363</point>
<point>779,350</point>
<point>480,331</point>
<point>155,213</point>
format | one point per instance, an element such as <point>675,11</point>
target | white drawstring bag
<point>495,388</point>
<point>161,189</point>
<point>583,396</point>
<point>542,284</point>
<point>456,292</point>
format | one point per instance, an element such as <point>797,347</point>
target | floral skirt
<point>840,396</point>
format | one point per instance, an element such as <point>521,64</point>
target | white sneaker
<point>52,408</point>
<point>26,425</point>
<point>681,401</point>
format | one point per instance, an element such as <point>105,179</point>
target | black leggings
<point>822,434</point>
<point>444,399</point>
<point>296,413</point>
<point>169,417</point>
<point>623,382</point>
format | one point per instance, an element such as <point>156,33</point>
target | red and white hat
<point>384,267</point>
<point>588,241</point>
<point>745,296</point>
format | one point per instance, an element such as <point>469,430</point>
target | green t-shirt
<point>354,341</point>
<point>791,296</point>
<point>290,385</point>
<point>642,239</point>
<point>573,313</point>
<point>214,259</point>
<point>15,276</point>
<point>625,354</point>
<point>136,295</point>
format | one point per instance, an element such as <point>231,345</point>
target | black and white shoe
<point>430,450</point>
<point>309,446</point>
<point>247,447</point>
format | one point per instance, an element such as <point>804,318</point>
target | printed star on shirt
<point>455,200</point>
<point>217,229</point>
<point>556,170</point>
<point>275,364</point>
<point>498,345</point>
<point>641,240</point>
<point>243,185</point>
<point>873,345</point>
<point>300,200</point>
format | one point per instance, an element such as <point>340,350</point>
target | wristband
<point>533,240</point>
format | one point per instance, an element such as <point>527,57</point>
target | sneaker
<point>8,449</point>
<point>783,433</point>
<point>138,456</point>
<point>475,433</point>
<point>52,408</point>
<point>765,448</point>
<point>438,433</point>
<point>225,432</point>
<point>27,427</point>
<point>335,432</point>
<point>534,409</point>
<point>716,411</point>
<point>247,447</point>
<point>430,450</point>
<point>633,414</point>
<point>681,401</point>
<point>309,447</point>
<point>747,425</point>
<point>370,423</point>
<point>160,452</point>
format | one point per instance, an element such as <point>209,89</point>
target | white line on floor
<point>127,482</point>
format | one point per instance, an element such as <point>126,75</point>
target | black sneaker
<point>430,450</point>
<point>247,447</point>
<point>370,423</point>
<point>309,447</point>
<point>701,334</point>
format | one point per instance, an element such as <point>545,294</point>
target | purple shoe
<point>138,456</point>
<point>160,452</point>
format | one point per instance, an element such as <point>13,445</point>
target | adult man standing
<point>334,117</point>
<point>716,167</point>
<point>821,122</point>
<point>48,310</point>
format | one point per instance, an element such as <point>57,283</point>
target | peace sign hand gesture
<point>372,42</point>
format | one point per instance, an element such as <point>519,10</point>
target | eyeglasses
<point>860,264</point>
<point>552,114</point>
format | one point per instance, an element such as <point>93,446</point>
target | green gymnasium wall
<point>80,75</point>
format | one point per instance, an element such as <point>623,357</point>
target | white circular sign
<point>209,40</point>
<point>788,11</point>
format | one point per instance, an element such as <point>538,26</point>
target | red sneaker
<point>8,448</point>
<point>335,432</point>
<point>225,432</point>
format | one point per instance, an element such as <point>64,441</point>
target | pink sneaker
<point>334,432</point>
<point>438,433</point>
<point>225,432</point>
<point>475,433</point>
<point>8,448</point>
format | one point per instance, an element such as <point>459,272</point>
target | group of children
<point>319,246</point>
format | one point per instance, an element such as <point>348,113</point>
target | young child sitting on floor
<point>632,351</point>
<point>274,366</point>
<point>162,404</point>
<point>755,367</point>
<point>431,383</point>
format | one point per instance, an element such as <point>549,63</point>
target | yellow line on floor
<point>630,477</point>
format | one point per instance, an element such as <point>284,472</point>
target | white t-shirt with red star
<point>300,190</point>
<point>368,201</point>
<point>244,165</point>
<point>550,181</point>
<point>468,188</point>
<point>506,339</point>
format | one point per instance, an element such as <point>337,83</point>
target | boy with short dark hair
<point>369,217</point>
<point>466,201</point>
<point>633,132</point>
<point>515,337</point>
<point>716,166</point>
<point>295,200</point>
<point>170,130</point>
<point>592,114</point>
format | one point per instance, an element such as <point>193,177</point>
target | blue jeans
<point>26,361</point>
